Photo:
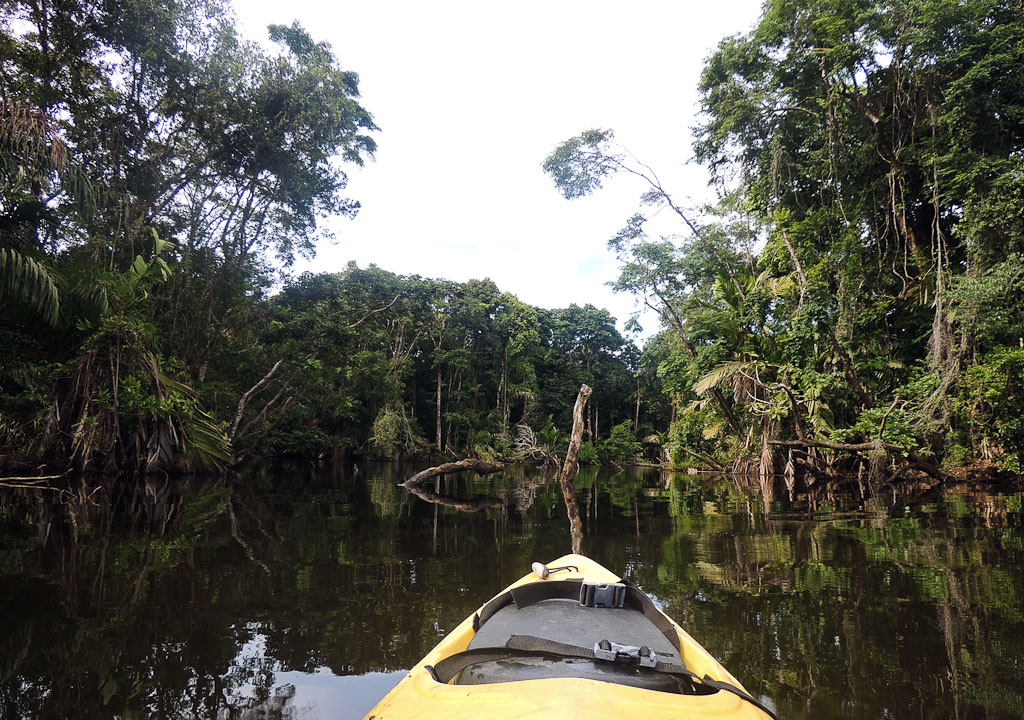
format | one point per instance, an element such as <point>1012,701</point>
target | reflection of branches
<point>238,538</point>
<point>465,505</point>
<point>259,521</point>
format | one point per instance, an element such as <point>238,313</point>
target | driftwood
<point>706,459</point>
<point>480,467</point>
<point>33,482</point>
<point>912,457</point>
<point>31,478</point>
<point>572,465</point>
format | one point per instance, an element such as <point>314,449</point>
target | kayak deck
<point>522,684</point>
<point>564,620</point>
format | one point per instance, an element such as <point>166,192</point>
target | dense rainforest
<point>159,175</point>
<point>852,300</point>
<point>855,297</point>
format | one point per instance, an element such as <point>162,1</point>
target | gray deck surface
<point>566,621</point>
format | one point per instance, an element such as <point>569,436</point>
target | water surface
<point>299,593</point>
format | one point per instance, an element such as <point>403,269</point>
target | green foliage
<point>863,261</point>
<point>694,431</point>
<point>990,304</point>
<point>126,406</point>
<point>24,279</point>
<point>151,164</point>
<point>365,340</point>
<point>579,165</point>
<point>898,429</point>
<point>621,445</point>
<point>387,434</point>
<point>589,454</point>
<point>992,400</point>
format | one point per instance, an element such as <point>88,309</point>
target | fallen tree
<point>481,467</point>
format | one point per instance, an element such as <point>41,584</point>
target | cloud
<point>471,97</point>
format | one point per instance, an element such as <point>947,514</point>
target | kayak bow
<point>570,639</point>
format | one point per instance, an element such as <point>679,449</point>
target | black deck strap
<point>730,688</point>
<point>533,644</point>
<point>529,645</point>
<point>543,646</point>
<point>531,593</point>
<point>528,594</point>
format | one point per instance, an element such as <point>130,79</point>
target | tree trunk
<point>636,419</point>
<point>572,465</point>
<point>799,269</point>
<point>506,412</point>
<point>439,409</point>
<point>478,466</point>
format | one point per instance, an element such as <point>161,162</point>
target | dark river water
<point>297,593</point>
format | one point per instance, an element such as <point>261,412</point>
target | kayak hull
<point>420,695</point>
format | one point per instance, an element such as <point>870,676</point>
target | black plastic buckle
<point>607,595</point>
<point>625,654</point>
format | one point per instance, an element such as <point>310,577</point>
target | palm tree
<point>32,156</point>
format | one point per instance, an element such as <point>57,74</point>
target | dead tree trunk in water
<point>480,467</point>
<point>572,465</point>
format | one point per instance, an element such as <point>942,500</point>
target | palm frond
<point>203,438</point>
<point>712,431</point>
<point>29,132</point>
<point>696,406</point>
<point>90,301</point>
<point>27,280</point>
<point>721,373</point>
<point>781,286</point>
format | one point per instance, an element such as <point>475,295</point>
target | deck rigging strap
<point>531,593</point>
<point>529,645</point>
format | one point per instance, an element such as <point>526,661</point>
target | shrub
<point>621,446</point>
<point>588,454</point>
<point>992,399</point>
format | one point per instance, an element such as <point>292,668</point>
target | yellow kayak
<point>571,639</point>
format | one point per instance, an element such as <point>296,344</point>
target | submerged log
<point>481,467</point>
<point>572,465</point>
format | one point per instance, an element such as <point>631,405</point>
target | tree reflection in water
<point>285,594</point>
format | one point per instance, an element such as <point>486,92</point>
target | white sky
<point>472,96</point>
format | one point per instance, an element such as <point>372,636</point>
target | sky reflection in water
<point>292,593</point>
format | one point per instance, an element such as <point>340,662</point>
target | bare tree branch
<point>247,396</point>
<point>360,321</point>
